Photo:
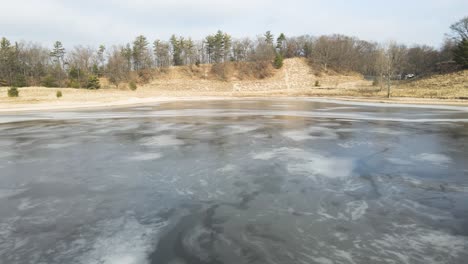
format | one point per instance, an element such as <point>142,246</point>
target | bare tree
<point>80,60</point>
<point>421,59</point>
<point>322,52</point>
<point>380,66</point>
<point>241,49</point>
<point>117,66</point>
<point>460,29</point>
<point>393,55</point>
<point>264,49</point>
<point>299,46</point>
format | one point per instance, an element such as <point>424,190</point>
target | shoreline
<point>137,101</point>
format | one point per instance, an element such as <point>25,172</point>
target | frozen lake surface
<point>241,181</point>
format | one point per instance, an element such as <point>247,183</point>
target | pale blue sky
<point>89,22</point>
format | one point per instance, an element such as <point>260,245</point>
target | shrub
<point>95,70</point>
<point>49,81</point>
<point>132,85</point>
<point>19,81</point>
<point>255,69</point>
<point>278,63</point>
<point>74,73</point>
<point>73,84</point>
<point>93,82</point>
<point>222,71</point>
<point>261,69</point>
<point>145,75</point>
<point>13,92</point>
<point>58,94</point>
<point>375,82</point>
<point>317,83</point>
<point>242,70</point>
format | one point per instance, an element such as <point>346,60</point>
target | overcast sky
<point>92,22</point>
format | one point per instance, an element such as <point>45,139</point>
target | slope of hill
<point>296,75</point>
<point>453,85</point>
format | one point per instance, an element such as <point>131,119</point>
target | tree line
<point>30,64</point>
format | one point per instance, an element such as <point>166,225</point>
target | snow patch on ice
<point>59,145</point>
<point>311,133</point>
<point>239,129</point>
<point>353,143</point>
<point>438,159</point>
<point>124,241</point>
<point>146,156</point>
<point>162,141</point>
<point>356,209</point>
<point>264,155</point>
<point>311,164</point>
<point>398,161</point>
<point>385,130</point>
<point>416,242</point>
<point>227,168</point>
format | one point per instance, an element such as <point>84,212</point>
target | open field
<point>295,79</point>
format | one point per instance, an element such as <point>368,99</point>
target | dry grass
<point>445,86</point>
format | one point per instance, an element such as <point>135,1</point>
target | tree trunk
<point>381,82</point>
<point>388,87</point>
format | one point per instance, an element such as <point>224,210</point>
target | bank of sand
<point>82,99</point>
<point>295,79</point>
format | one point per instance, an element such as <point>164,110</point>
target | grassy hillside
<point>295,78</point>
<point>453,85</point>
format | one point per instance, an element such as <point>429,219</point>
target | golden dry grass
<point>445,86</point>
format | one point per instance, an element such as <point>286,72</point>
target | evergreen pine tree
<point>460,54</point>
<point>281,44</point>
<point>126,52</point>
<point>269,38</point>
<point>139,52</point>
<point>176,51</point>
<point>58,52</point>
<point>7,61</point>
<point>278,63</point>
<point>93,82</point>
<point>227,44</point>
